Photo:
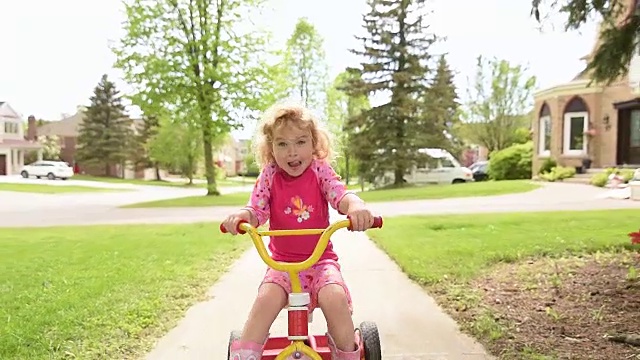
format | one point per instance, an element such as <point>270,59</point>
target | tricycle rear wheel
<point>370,340</point>
<point>235,335</point>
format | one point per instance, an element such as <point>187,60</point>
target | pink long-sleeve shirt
<point>296,203</point>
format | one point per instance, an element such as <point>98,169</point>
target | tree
<point>200,57</point>
<point>50,147</point>
<point>341,107</point>
<point>146,131</point>
<point>618,39</point>
<point>105,134</point>
<point>498,101</point>
<point>397,62</point>
<point>176,145</point>
<point>306,64</point>
<point>441,105</point>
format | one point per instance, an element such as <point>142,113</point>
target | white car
<point>50,169</point>
<point>445,169</point>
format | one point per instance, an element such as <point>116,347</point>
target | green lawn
<point>51,189</point>
<point>459,259</point>
<point>482,188</point>
<point>431,249</point>
<point>103,292</point>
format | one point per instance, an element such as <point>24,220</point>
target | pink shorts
<point>323,273</point>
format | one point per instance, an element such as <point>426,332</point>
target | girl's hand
<point>361,217</point>
<point>232,221</point>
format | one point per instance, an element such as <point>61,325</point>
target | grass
<point>431,249</point>
<point>231,181</point>
<point>51,189</point>
<point>445,254</point>
<point>398,194</point>
<point>103,292</point>
<point>482,188</point>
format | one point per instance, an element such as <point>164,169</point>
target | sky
<point>53,53</point>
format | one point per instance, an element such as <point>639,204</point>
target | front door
<point>634,138</point>
<point>3,164</point>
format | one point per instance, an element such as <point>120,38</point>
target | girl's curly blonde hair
<point>283,114</point>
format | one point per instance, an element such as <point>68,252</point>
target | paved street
<point>412,326</point>
<point>101,208</point>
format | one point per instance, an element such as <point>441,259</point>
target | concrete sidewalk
<point>412,326</point>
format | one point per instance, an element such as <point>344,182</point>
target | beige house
<point>231,155</point>
<point>13,144</point>
<point>575,121</point>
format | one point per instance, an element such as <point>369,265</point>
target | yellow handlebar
<point>294,268</point>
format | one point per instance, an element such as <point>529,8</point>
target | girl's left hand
<point>360,216</point>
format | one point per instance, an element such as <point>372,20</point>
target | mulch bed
<point>572,308</point>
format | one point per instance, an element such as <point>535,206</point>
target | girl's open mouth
<point>294,164</point>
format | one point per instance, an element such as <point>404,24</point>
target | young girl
<point>293,191</point>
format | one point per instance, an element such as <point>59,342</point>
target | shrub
<point>627,174</point>
<point>512,163</point>
<point>547,166</point>
<point>558,173</point>
<point>599,179</point>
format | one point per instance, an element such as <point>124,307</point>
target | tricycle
<point>299,342</point>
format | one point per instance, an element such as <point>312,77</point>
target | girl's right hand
<point>232,221</point>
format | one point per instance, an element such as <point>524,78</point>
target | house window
<point>544,133</point>
<point>10,127</point>
<point>575,126</point>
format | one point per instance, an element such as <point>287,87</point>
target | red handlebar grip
<point>240,231</point>
<point>377,222</point>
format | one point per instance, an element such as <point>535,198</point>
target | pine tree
<point>397,61</point>
<point>442,107</point>
<point>105,134</point>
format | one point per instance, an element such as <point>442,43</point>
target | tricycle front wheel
<point>235,335</point>
<point>370,340</point>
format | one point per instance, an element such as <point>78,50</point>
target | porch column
<point>10,162</point>
<point>14,160</point>
<point>40,154</point>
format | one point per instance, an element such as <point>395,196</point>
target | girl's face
<point>293,149</point>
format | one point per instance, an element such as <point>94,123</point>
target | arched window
<point>544,131</point>
<point>575,124</point>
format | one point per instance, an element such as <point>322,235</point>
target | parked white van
<point>444,169</point>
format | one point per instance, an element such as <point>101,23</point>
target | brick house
<point>67,130</point>
<point>230,156</point>
<point>574,121</point>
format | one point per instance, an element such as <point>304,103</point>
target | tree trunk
<point>157,167</point>
<point>212,188</point>
<point>107,170</point>
<point>346,167</point>
<point>398,177</point>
